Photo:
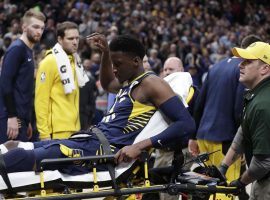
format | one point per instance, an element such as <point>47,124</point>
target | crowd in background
<point>199,32</point>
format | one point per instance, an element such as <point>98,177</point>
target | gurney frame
<point>116,191</point>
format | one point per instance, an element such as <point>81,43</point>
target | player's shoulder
<point>48,54</point>
<point>48,61</point>
<point>153,79</point>
<point>48,57</point>
<point>17,47</point>
<point>229,61</point>
<point>154,83</point>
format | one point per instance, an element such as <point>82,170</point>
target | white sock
<point>26,145</point>
<point>3,149</point>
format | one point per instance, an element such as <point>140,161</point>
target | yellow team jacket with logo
<point>56,111</point>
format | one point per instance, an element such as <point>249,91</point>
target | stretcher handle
<point>174,189</point>
<point>45,162</point>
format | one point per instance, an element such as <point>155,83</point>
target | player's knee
<point>11,144</point>
<point>19,160</point>
<point>4,148</point>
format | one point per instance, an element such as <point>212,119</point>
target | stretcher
<point>124,179</point>
<point>18,180</point>
<point>188,182</point>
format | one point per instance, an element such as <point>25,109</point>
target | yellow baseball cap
<point>257,50</point>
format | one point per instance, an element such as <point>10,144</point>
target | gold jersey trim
<point>139,117</point>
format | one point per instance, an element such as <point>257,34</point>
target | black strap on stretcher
<point>3,173</point>
<point>107,151</point>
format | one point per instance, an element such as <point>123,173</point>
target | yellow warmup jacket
<point>56,111</point>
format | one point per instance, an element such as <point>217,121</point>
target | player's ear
<point>136,60</point>
<point>24,26</point>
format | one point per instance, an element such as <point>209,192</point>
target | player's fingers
<point>92,35</point>
<point>117,156</point>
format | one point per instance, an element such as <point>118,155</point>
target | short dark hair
<point>62,27</point>
<point>249,39</point>
<point>129,45</point>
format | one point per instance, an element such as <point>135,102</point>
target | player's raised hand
<point>98,41</point>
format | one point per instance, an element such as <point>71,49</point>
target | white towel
<point>80,72</point>
<point>180,82</point>
<point>65,70</point>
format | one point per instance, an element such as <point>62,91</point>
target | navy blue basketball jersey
<point>17,81</point>
<point>127,117</point>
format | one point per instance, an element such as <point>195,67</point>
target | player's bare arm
<point>107,78</point>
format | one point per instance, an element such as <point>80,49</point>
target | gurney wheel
<point>172,190</point>
<point>43,193</point>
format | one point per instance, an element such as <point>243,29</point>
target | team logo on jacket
<point>42,77</point>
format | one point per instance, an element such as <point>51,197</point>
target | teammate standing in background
<point>17,77</point>
<point>57,86</point>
